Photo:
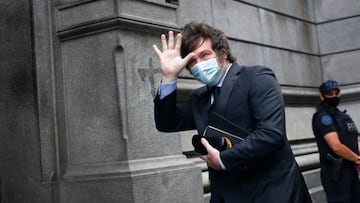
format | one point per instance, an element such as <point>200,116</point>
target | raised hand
<point>171,62</point>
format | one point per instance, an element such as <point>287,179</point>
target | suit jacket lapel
<point>227,87</point>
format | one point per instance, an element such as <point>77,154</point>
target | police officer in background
<point>337,140</point>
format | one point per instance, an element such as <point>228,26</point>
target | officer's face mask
<point>207,72</point>
<point>332,101</point>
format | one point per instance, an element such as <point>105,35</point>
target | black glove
<point>216,142</point>
<point>198,147</point>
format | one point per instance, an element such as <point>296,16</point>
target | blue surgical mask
<point>207,72</point>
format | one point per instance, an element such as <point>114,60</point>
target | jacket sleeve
<point>268,112</point>
<point>169,117</point>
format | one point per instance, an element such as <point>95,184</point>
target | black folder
<point>219,126</point>
<point>221,133</point>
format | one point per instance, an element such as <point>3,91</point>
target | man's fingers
<point>206,144</point>
<point>212,157</point>
<point>204,157</point>
<point>171,40</point>
<point>189,57</point>
<point>163,42</point>
<point>178,41</point>
<point>156,49</point>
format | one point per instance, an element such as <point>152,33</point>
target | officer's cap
<point>327,86</point>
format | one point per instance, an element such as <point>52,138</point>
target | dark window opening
<point>172,1</point>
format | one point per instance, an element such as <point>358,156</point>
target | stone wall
<point>79,77</point>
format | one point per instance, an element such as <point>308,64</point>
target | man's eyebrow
<point>205,51</point>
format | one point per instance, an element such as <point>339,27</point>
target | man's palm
<point>171,63</point>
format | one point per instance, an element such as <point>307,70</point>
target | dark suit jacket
<point>262,168</point>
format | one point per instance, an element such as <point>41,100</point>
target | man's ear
<point>321,97</point>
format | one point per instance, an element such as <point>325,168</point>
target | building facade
<point>78,78</point>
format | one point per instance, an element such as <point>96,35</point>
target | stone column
<point>96,77</point>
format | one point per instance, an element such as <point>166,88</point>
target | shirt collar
<point>220,83</point>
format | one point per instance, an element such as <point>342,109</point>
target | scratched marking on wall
<point>149,73</point>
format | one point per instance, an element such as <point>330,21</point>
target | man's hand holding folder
<point>221,133</point>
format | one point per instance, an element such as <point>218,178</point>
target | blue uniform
<point>340,184</point>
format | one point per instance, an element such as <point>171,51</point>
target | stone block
<point>298,122</point>
<point>90,101</point>
<point>247,54</point>
<point>199,10</point>
<point>240,21</point>
<point>353,109</point>
<point>327,10</point>
<point>339,36</point>
<point>343,67</point>
<point>79,14</point>
<point>293,68</point>
<point>282,31</point>
<point>298,9</point>
<point>249,23</point>
<point>312,179</point>
<point>290,67</point>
